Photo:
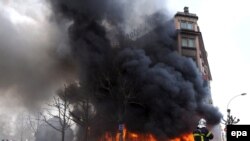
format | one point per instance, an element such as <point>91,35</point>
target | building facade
<point>190,42</point>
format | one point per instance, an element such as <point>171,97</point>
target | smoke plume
<point>124,54</point>
<point>34,57</point>
<point>143,82</point>
<point>47,133</point>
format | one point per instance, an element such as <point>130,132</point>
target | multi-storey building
<point>190,42</point>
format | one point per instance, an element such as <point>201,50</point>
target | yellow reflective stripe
<point>196,134</point>
<point>199,134</point>
<point>202,138</point>
<point>209,133</point>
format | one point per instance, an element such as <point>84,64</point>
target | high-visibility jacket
<point>202,134</point>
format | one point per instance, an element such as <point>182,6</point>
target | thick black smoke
<point>145,83</point>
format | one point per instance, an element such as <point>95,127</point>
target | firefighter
<point>201,133</point>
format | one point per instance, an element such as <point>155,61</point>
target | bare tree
<point>62,107</point>
<point>82,115</point>
<point>34,121</point>
<point>83,110</point>
<point>122,92</point>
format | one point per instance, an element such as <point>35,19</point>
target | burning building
<point>141,87</point>
<point>190,42</point>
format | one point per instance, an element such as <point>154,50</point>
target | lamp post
<point>230,119</point>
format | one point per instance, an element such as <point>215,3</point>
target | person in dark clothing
<point>201,133</point>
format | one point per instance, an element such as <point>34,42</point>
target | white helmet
<point>202,123</point>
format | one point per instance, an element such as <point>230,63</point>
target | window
<point>186,25</point>
<point>183,25</point>
<point>189,26</point>
<point>184,42</point>
<point>191,42</point>
<point>188,42</point>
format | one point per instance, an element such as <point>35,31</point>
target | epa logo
<point>238,132</point>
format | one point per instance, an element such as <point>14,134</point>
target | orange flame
<point>185,137</point>
<point>130,136</point>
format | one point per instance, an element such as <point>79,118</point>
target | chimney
<point>186,10</point>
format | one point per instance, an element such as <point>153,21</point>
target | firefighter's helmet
<point>202,123</point>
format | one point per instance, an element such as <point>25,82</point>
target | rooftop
<point>186,13</point>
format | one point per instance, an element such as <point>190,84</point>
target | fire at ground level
<point>130,136</point>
